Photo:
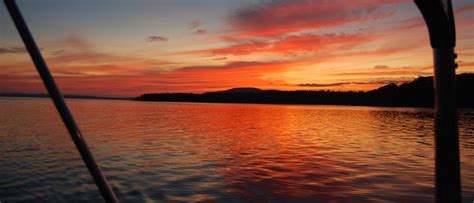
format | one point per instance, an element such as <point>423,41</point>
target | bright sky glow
<point>126,48</point>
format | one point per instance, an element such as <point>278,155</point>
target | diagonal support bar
<point>58,100</point>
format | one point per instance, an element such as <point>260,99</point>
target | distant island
<point>418,93</point>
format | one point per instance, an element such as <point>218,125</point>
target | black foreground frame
<point>438,15</point>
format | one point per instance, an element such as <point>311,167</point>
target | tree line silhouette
<point>418,93</point>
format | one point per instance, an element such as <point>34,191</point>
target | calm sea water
<point>225,152</point>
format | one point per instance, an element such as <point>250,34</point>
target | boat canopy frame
<point>439,18</point>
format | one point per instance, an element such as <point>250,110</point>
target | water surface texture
<point>225,152</point>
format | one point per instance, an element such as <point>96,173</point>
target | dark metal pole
<point>58,100</point>
<point>440,21</point>
<point>448,182</point>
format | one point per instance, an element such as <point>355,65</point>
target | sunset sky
<point>127,48</point>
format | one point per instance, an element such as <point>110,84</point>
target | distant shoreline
<point>197,102</point>
<point>418,93</point>
<point>192,102</point>
<point>23,95</point>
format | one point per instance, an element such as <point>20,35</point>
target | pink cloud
<point>76,41</point>
<point>465,9</point>
<point>280,17</point>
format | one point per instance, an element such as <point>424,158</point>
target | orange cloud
<point>290,45</point>
<point>306,43</point>
<point>466,64</point>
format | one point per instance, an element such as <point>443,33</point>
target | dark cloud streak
<point>12,50</point>
<point>323,85</point>
<point>200,31</point>
<point>155,38</point>
<point>380,82</point>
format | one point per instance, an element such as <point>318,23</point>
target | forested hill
<point>418,93</point>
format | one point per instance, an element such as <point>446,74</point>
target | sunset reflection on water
<point>225,152</point>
